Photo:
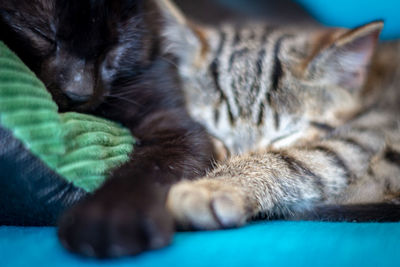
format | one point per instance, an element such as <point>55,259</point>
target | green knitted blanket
<point>80,148</point>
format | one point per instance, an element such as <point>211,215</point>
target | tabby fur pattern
<point>305,122</point>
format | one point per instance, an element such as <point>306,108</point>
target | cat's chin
<point>79,106</point>
<point>88,106</point>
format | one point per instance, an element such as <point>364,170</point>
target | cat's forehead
<point>260,34</point>
<point>261,40</point>
<point>81,27</point>
<point>24,10</point>
<point>77,16</point>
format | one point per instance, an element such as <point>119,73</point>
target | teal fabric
<point>352,13</point>
<point>345,13</point>
<point>260,244</point>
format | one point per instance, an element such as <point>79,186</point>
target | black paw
<point>102,227</point>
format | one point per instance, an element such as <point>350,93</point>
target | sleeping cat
<point>290,106</point>
<point>254,89</point>
<point>103,57</point>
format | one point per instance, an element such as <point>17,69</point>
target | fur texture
<point>291,108</point>
<point>103,57</point>
<point>288,105</point>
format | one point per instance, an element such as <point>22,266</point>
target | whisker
<point>122,93</point>
<point>169,61</point>
<point>123,99</point>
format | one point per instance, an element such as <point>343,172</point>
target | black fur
<point>374,212</point>
<point>392,156</point>
<point>113,45</point>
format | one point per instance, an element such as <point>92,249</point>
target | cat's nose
<point>79,92</point>
<point>77,97</point>
<point>80,83</point>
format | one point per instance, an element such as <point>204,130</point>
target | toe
<point>228,210</point>
<point>190,207</point>
<point>206,206</point>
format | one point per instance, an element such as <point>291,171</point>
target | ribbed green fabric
<point>82,148</point>
<point>93,146</point>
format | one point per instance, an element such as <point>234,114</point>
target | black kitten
<point>103,57</point>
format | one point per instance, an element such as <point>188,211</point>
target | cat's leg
<point>127,214</point>
<point>281,183</point>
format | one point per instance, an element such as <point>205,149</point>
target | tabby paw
<point>206,204</point>
<point>103,229</point>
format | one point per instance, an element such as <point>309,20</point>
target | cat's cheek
<point>107,75</point>
<point>111,63</point>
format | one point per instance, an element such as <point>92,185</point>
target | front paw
<point>113,228</point>
<point>207,204</point>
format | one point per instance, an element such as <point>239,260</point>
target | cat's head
<point>315,73</point>
<point>76,46</point>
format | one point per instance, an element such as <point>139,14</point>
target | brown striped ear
<point>345,59</point>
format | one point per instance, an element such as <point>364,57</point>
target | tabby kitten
<point>291,108</point>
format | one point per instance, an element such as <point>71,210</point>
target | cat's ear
<point>182,37</point>
<point>171,13</point>
<point>345,56</point>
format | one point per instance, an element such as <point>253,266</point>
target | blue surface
<point>352,13</point>
<point>261,244</point>
<point>345,13</point>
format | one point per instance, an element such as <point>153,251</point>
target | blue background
<point>351,13</point>
<point>339,13</point>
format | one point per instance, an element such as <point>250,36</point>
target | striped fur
<point>291,107</point>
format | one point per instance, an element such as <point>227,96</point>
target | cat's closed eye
<point>43,37</point>
<point>40,34</point>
